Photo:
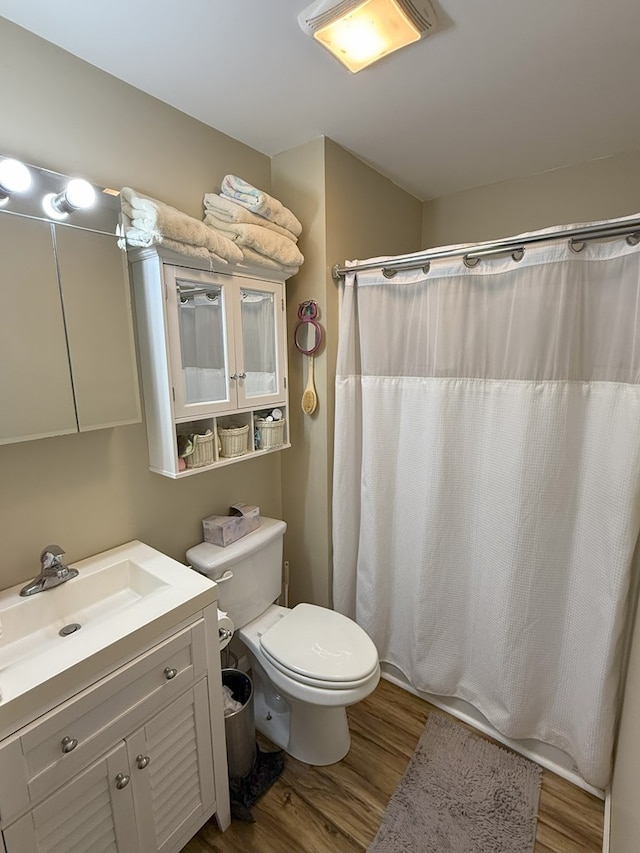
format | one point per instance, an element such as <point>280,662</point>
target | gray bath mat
<point>461,794</point>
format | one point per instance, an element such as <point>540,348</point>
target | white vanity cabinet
<point>213,357</point>
<point>135,763</point>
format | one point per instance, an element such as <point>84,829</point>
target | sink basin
<point>31,625</point>
<point>130,592</point>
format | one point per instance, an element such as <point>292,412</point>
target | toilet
<point>308,663</point>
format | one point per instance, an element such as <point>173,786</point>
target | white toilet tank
<point>248,572</point>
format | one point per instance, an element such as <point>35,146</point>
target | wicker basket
<point>202,451</point>
<point>233,440</point>
<point>270,433</point>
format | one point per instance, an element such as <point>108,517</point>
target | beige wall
<point>93,491</point>
<point>599,189</point>
<point>349,211</point>
<point>298,178</point>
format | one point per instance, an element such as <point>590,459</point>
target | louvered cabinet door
<point>91,814</point>
<point>171,763</point>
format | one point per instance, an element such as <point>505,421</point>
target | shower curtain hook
<point>387,272</point>
<point>470,262</point>
<point>577,246</point>
<point>518,255</point>
<point>426,267</point>
<point>633,239</point>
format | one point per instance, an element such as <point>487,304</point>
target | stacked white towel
<point>149,222</point>
<point>265,230</point>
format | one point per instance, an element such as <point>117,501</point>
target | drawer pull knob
<point>170,673</point>
<point>68,744</point>
<point>142,761</point>
<point>122,780</point>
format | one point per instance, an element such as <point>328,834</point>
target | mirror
<point>66,336</point>
<point>308,333</point>
<point>307,336</point>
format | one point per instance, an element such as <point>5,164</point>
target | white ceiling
<point>504,88</point>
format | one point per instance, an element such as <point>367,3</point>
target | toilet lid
<point>320,644</point>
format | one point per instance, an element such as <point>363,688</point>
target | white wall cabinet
<point>66,332</point>
<point>134,764</point>
<point>213,359</point>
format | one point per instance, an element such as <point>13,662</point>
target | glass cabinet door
<point>200,360</point>
<point>259,360</point>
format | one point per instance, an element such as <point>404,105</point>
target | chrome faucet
<point>53,571</point>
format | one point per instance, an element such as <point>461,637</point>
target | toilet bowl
<point>308,663</point>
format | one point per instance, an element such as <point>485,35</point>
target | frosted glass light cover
<point>365,34</point>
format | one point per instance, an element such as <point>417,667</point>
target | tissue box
<point>225,529</point>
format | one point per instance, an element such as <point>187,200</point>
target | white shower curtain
<point>487,483</point>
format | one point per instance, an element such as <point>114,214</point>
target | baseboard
<point>606,832</point>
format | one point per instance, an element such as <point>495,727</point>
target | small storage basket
<point>270,433</point>
<point>202,451</point>
<point>233,440</point>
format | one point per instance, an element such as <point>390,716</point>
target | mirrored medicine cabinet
<point>67,352</point>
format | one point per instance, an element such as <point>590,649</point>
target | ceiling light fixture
<point>359,32</point>
<point>14,178</point>
<point>78,195</point>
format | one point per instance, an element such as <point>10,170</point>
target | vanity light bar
<point>16,178</point>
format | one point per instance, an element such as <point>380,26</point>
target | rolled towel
<point>230,211</point>
<point>260,202</point>
<point>261,239</point>
<point>156,222</point>
<point>254,258</point>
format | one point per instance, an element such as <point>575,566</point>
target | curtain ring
<point>577,246</point>
<point>426,267</point>
<point>518,255</point>
<point>633,239</point>
<point>387,272</point>
<point>470,262</point>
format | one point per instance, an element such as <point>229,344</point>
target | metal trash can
<point>239,726</point>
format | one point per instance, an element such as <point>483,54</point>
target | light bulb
<point>80,194</point>
<point>14,178</point>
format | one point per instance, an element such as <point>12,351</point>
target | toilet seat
<point>319,647</point>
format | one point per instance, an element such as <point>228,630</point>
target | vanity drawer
<point>61,743</point>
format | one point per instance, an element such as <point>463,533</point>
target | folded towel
<point>256,259</point>
<point>261,239</point>
<point>153,221</point>
<point>260,202</point>
<point>136,237</point>
<point>230,211</point>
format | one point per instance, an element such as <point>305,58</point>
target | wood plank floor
<point>338,809</point>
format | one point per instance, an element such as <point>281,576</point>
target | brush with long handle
<point>309,396</point>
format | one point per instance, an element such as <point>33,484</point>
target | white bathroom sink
<point>116,594</point>
<point>31,625</point>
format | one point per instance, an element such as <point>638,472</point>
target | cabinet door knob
<point>234,376</point>
<point>68,744</point>
<point>170,672</point>
<point>242,376</point>
<point>122,780</point>
<point>142,761</point>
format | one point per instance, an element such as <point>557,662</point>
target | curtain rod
<point>577,238</point>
